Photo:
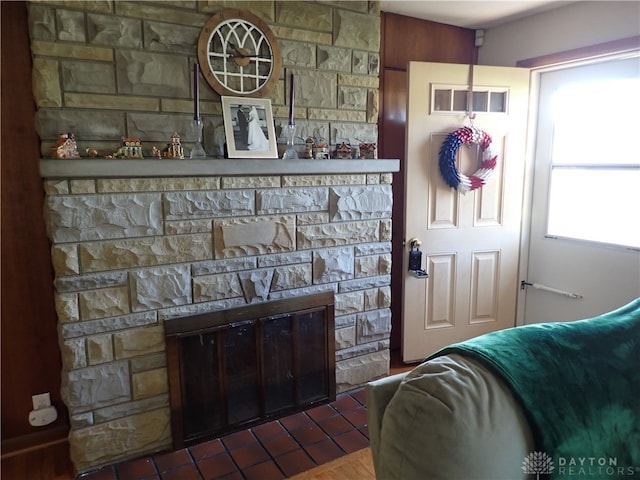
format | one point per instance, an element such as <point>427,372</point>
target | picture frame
<point>248,127</point>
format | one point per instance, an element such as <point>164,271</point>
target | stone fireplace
<point>137,243</point>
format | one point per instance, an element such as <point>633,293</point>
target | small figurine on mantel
<point>308,144</point>
<point>174,148</point>
<point>131,148</point>
<point>321,151</point>
<point>65,147</point>
<point>316,148</point>
<point>368,150</point>
<point>343,151</point>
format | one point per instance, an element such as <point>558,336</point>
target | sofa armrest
<point>379,394</point>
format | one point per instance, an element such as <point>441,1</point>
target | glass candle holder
<point>196,129</point>
<point>290,153</point>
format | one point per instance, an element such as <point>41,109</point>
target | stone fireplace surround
<point>137,242</point>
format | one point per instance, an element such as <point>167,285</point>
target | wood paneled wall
<point>30,354</point>
<point>406,39</point>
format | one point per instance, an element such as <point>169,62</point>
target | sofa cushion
<point>451,419</point>
<point>379,394</point>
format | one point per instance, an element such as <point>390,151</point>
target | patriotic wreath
<point>447,159</point>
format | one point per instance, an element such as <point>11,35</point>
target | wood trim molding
<point>607,48</point>
<point>34,441</point>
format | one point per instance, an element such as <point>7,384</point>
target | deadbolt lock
<point>415,259</point>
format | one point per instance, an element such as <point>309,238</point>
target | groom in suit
<point>242,125</point>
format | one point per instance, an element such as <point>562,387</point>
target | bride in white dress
<point>256,139</point>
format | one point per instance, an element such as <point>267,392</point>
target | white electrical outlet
<point>43,416</point>
<point>43,412</point>
<point>41,400</point>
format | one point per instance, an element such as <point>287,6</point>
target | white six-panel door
<point>470,242</point>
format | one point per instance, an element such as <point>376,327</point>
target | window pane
<point>480,101</point>
<point>498,102</point>
<point>594,204</point>
<point>460,100</point>
<point>442,100</point>
<point>596,122</point>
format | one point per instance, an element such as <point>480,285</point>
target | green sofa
<point>535,400</point>
<point>447,419</point>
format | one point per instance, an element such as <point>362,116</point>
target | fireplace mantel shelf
<point>102,168</point>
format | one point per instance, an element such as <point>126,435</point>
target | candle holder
<point>196,129</point>
<point>290,153</point>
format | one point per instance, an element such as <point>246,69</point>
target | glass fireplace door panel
<point>279,374</point>
<point>312,356</point>
<point>204,409</point>
<point>241,373</point>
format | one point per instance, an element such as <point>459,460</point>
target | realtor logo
<point>537,463</point>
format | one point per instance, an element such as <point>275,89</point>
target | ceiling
<point>473,14</point>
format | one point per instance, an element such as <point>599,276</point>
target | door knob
<point>415,242</point>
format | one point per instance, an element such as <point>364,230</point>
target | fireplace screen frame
<point>267,360</point>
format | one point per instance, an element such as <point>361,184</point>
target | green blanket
<point>579,385</point>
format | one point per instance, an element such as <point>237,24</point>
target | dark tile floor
<point>271,451</point>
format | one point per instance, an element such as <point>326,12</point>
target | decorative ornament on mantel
<point>174,148</point>
<point>343,150</point>
<point>65,147</point>
<point>368,150</point>
<point>131,148</point>
<point>316,148</point>
<point>321,150</point>
<point>447,159</point>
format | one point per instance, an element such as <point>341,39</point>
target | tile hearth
<point>275,450</point>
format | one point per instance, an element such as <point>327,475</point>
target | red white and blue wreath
<point>447,160</point>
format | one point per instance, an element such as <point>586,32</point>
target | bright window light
<point>594,191</point>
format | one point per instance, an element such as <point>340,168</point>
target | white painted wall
<point>575,25</point>
<point>572,26</point>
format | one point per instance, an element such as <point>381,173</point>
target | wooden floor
<point>355,466</point>
<point>53,462</point>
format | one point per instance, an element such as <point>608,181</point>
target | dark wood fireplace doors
<point>239,367</point>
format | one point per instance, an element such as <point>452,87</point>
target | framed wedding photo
<point>248,127</point>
